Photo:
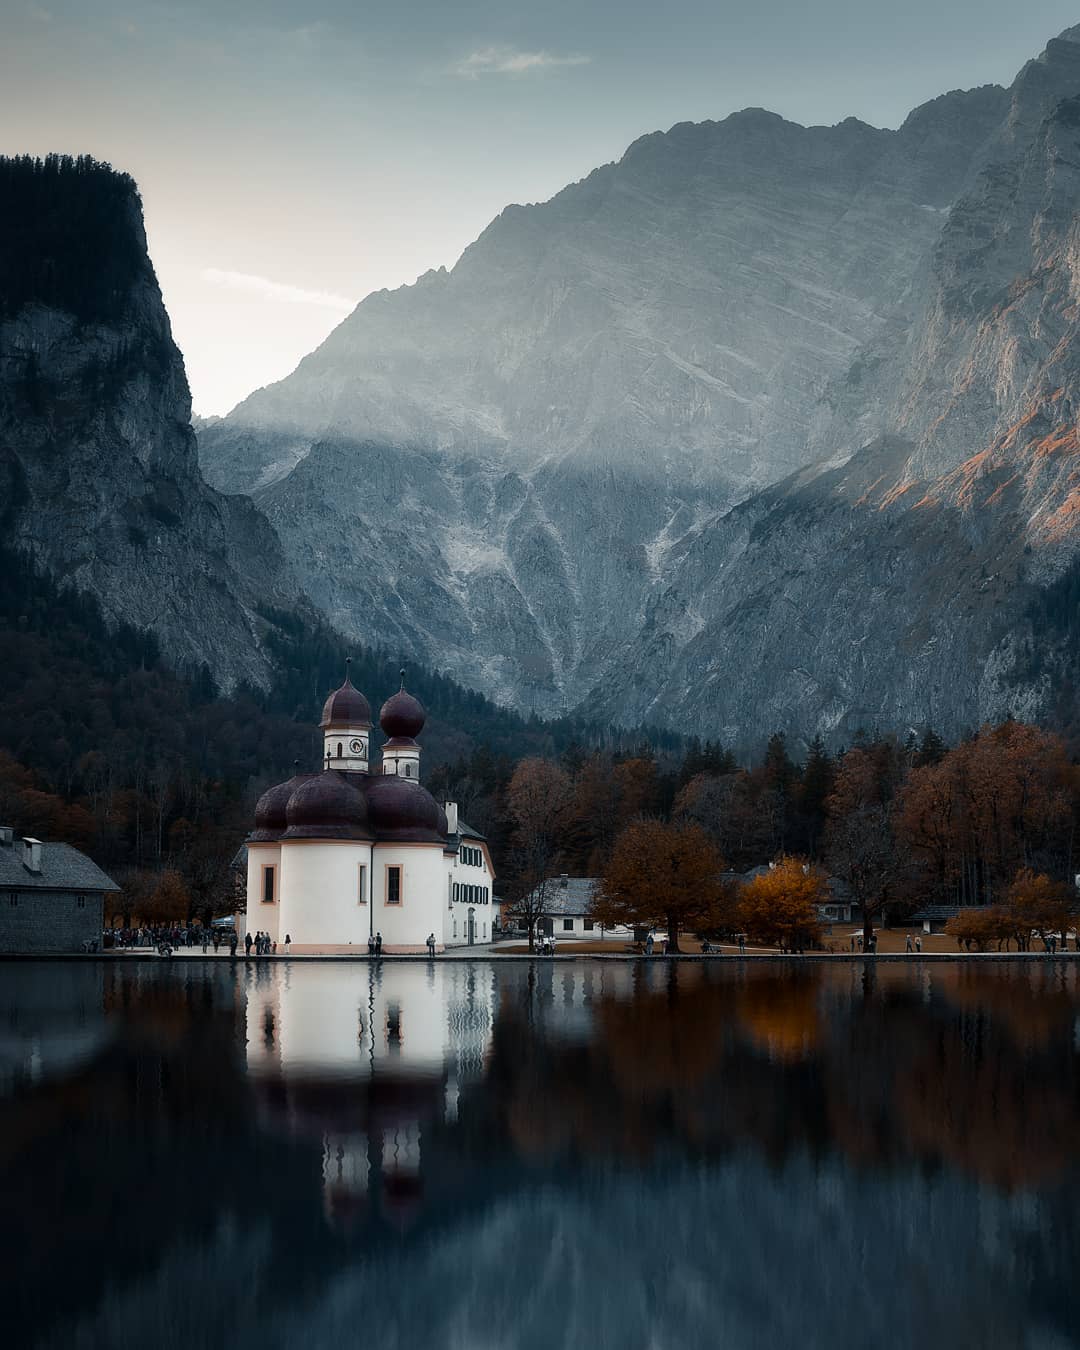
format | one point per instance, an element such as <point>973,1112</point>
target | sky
<point>293,157</point>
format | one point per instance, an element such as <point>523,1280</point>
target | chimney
<point>451,817</point>
<point>7,836</point>
<point>564,878</point>
<point>32,854</point>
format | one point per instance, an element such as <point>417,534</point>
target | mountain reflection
<point>548,1154</point>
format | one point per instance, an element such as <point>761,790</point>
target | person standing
<point>233,943</point>
<point>649,945</point>
<point>918,942</point>
<point>288,942</point>
<point>431,945</point>
<point>247,944</point>
<point>371,944</point>
<point>907,943</point>
<point>378,944</point>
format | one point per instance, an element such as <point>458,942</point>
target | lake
<point>543,1155</point>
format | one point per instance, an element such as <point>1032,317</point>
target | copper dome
<point>346,707</point>
<point>270,822</point>
<point>402,716</point>
<point>327,806</point>
<point>403,812</point>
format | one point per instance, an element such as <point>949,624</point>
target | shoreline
<point>149,954</point>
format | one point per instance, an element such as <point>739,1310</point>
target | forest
<point>152,770</point>
<point>155,772</point>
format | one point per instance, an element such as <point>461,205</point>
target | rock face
<point>716,433</point>
<point>99,477</point>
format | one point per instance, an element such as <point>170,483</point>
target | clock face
<point>356,747</point>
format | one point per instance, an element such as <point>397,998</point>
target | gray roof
<point>571,900</point>
<point>467,832</point>
<point>63,868</point>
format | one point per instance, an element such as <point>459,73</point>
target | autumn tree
<point>169,901</point>
<point>539,799</point>
<point>1038,904</point>
<point>1004,799</point>
<point>780,907</point>
<point>861,845</point>
<point>659,873</point>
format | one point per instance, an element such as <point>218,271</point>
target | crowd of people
<point>174,935</point>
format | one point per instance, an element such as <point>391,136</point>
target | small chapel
<point>355,850</point>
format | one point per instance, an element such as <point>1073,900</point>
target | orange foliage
<point>662,874</point>
<point>780,906</point>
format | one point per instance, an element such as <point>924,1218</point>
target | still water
<point>474,1155</point>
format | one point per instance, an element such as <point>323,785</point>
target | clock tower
<point>346,728</point>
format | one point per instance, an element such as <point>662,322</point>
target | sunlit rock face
<point>99,476</point>
<point>604,461</point>
<point>894,588</point>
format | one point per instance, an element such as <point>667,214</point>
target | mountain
<point>718,432</point>
<point>930,577</point>
<point>99,474</point>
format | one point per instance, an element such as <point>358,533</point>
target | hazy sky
<point>294,156</point>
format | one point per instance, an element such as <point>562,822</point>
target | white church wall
<point>262,917</point>
<point>405,926</point>
<point>321,905</point>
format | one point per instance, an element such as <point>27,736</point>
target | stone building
<point>51,896</point>
<point>351,851</point>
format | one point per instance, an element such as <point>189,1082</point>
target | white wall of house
<point>478,874</point>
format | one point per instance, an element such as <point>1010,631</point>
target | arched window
<point>339,749</point>
<point>408,770</point>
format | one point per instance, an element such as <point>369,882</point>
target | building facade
<point>354,851</point>
<point>52,897</point>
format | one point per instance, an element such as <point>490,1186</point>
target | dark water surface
<point>473,1155</point>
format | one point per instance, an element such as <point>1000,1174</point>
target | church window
<point>408,770</point>
<point>393,885</point>
<point>361,884</point>
<point>568,925</point>
<point>13,900</point>
<point>81,902</point>
<point>455,927</point>
<point>268,885</point>
<point>339,749</point>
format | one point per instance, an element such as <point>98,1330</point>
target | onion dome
<point>403,812</point>
<point>270,822</point>
<point>346,707</point>
<point>327,806</point>
<point>402,716</point>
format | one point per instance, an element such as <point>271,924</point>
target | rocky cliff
<point>761,426</point>
<point>905,585</point>
<point>99,478</point>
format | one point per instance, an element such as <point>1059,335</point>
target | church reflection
<point>363,1059</point>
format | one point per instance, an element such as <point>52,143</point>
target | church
<point>353,850</point>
